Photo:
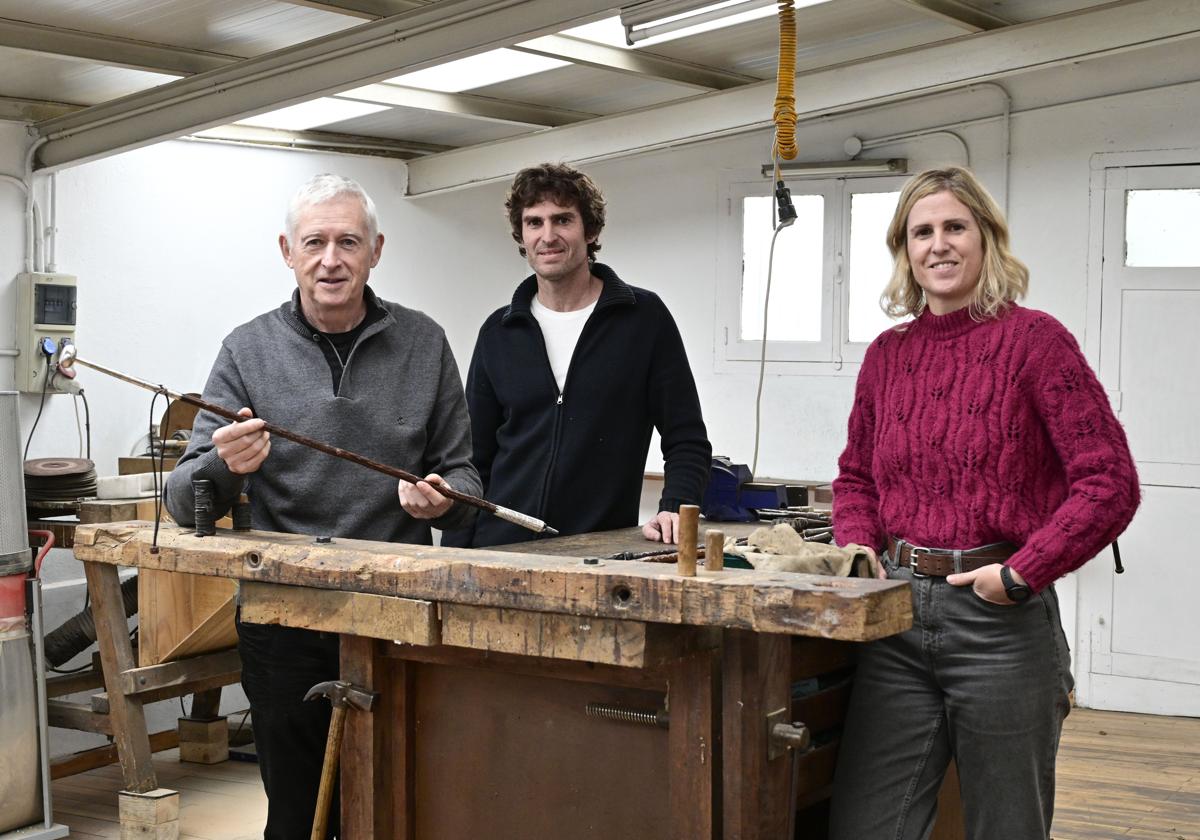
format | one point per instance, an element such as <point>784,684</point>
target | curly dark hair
<point>562,184</point>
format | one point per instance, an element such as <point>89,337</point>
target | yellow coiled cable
<point>785,85</point>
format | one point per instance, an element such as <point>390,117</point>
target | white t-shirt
<point>561,331</point>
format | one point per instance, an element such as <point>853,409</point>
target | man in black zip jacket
<point>569,380</point>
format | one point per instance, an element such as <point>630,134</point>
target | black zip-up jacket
<point>576,459</point>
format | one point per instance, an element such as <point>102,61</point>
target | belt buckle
<point>914,556</point>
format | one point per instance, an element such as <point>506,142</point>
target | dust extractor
<point>25,809</point>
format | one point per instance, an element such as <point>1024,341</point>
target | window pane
<point>796,281</point>
<point>1161,228</point>
<point>870,263</point>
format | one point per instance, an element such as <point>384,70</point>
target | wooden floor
<point>224,801</point>
<point>1122,775</point>
<point>1119,776</point>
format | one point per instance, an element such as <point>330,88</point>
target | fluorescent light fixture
<point>656,21</point>
<point>477,71</point>
<point>837,168</point>
<point>312,114</point>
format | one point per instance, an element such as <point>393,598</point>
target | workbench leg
<point>125,714</point>
<point>204,734</point>
<point>694,706</point>
<point>153,815</point>
<point>370,762</point>
<point>755,681</point>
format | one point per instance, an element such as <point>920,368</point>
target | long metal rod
<point>68,358</point>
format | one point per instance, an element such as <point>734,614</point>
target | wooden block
<point>404,620</point>
<point>153,808</point>
<point>203,741</point>
<point>689,524</point>
<point>584,639</point>
<point>164,831</point>
<point>714,550</point>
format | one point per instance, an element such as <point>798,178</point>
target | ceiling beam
<point>108,49</point>
<point>958,13</point>
<point>467,105</point>
<point>580,51</point>
<point>159,58</point>
<point>14,109</point>
<point>1113,28</point>
<point>364,9</point>
<point>634,63</point>
<point>325,66</point>
<point>317,141</point>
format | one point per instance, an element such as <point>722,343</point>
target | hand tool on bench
<point>342,695</point>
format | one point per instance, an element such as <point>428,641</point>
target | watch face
<point>1016,592</point>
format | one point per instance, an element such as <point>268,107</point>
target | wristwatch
<point>1017,592</point>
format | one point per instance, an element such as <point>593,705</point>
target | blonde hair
<point>1002,278</point>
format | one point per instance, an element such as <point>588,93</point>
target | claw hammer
<point>342,695</point>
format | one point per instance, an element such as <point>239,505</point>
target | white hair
<point>326,187</point>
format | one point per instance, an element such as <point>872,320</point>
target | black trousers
<point>279,665</point>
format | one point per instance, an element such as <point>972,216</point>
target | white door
<point>1139,632</point>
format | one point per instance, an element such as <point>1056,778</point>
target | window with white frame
<point>829,270</point>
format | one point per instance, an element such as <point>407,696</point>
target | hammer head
<point>341,693</point>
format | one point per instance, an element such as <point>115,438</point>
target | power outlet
<point>45,310</point>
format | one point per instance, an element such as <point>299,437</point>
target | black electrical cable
<point>41,405</point>
<point>87,423</point>
<point>157,470</point>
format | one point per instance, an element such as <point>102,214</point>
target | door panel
<point>1137,631</point>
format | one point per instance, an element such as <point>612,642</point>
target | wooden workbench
<point>488,662</point>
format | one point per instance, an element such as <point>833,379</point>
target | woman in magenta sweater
<point>984,458</point>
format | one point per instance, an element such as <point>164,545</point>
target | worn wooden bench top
<point>768,602</point>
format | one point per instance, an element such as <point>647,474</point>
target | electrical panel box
<point>45,316</point>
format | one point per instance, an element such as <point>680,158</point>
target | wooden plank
<point>100,703</point>
<point>64,532</point>
<point>547,635</point>
<point>64,684</point>
<point>564,669</point>
<point>78,716</point>
<point>183,615</point>
<point>81,762</point>
<point>139,464</point>
<point>366,761</point>
<point>179,675</point>
<point>755,682</point>
<point>773,602</point>
<point>128,719</point>
<point>694,705</point>
<point>813,657</point>
<point>406,620</point>
<point>217,632</point>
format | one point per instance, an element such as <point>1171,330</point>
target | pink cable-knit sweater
<point>965,433</point>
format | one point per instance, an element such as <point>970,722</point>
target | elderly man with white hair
<point>339,364</point>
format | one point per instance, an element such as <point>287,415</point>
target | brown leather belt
<point>939,562</point>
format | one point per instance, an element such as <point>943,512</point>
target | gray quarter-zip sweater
<point>400,401</point>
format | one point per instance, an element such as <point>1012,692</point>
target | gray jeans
<point>985,684</point>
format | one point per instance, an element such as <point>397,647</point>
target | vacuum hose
<point>76,634</point>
